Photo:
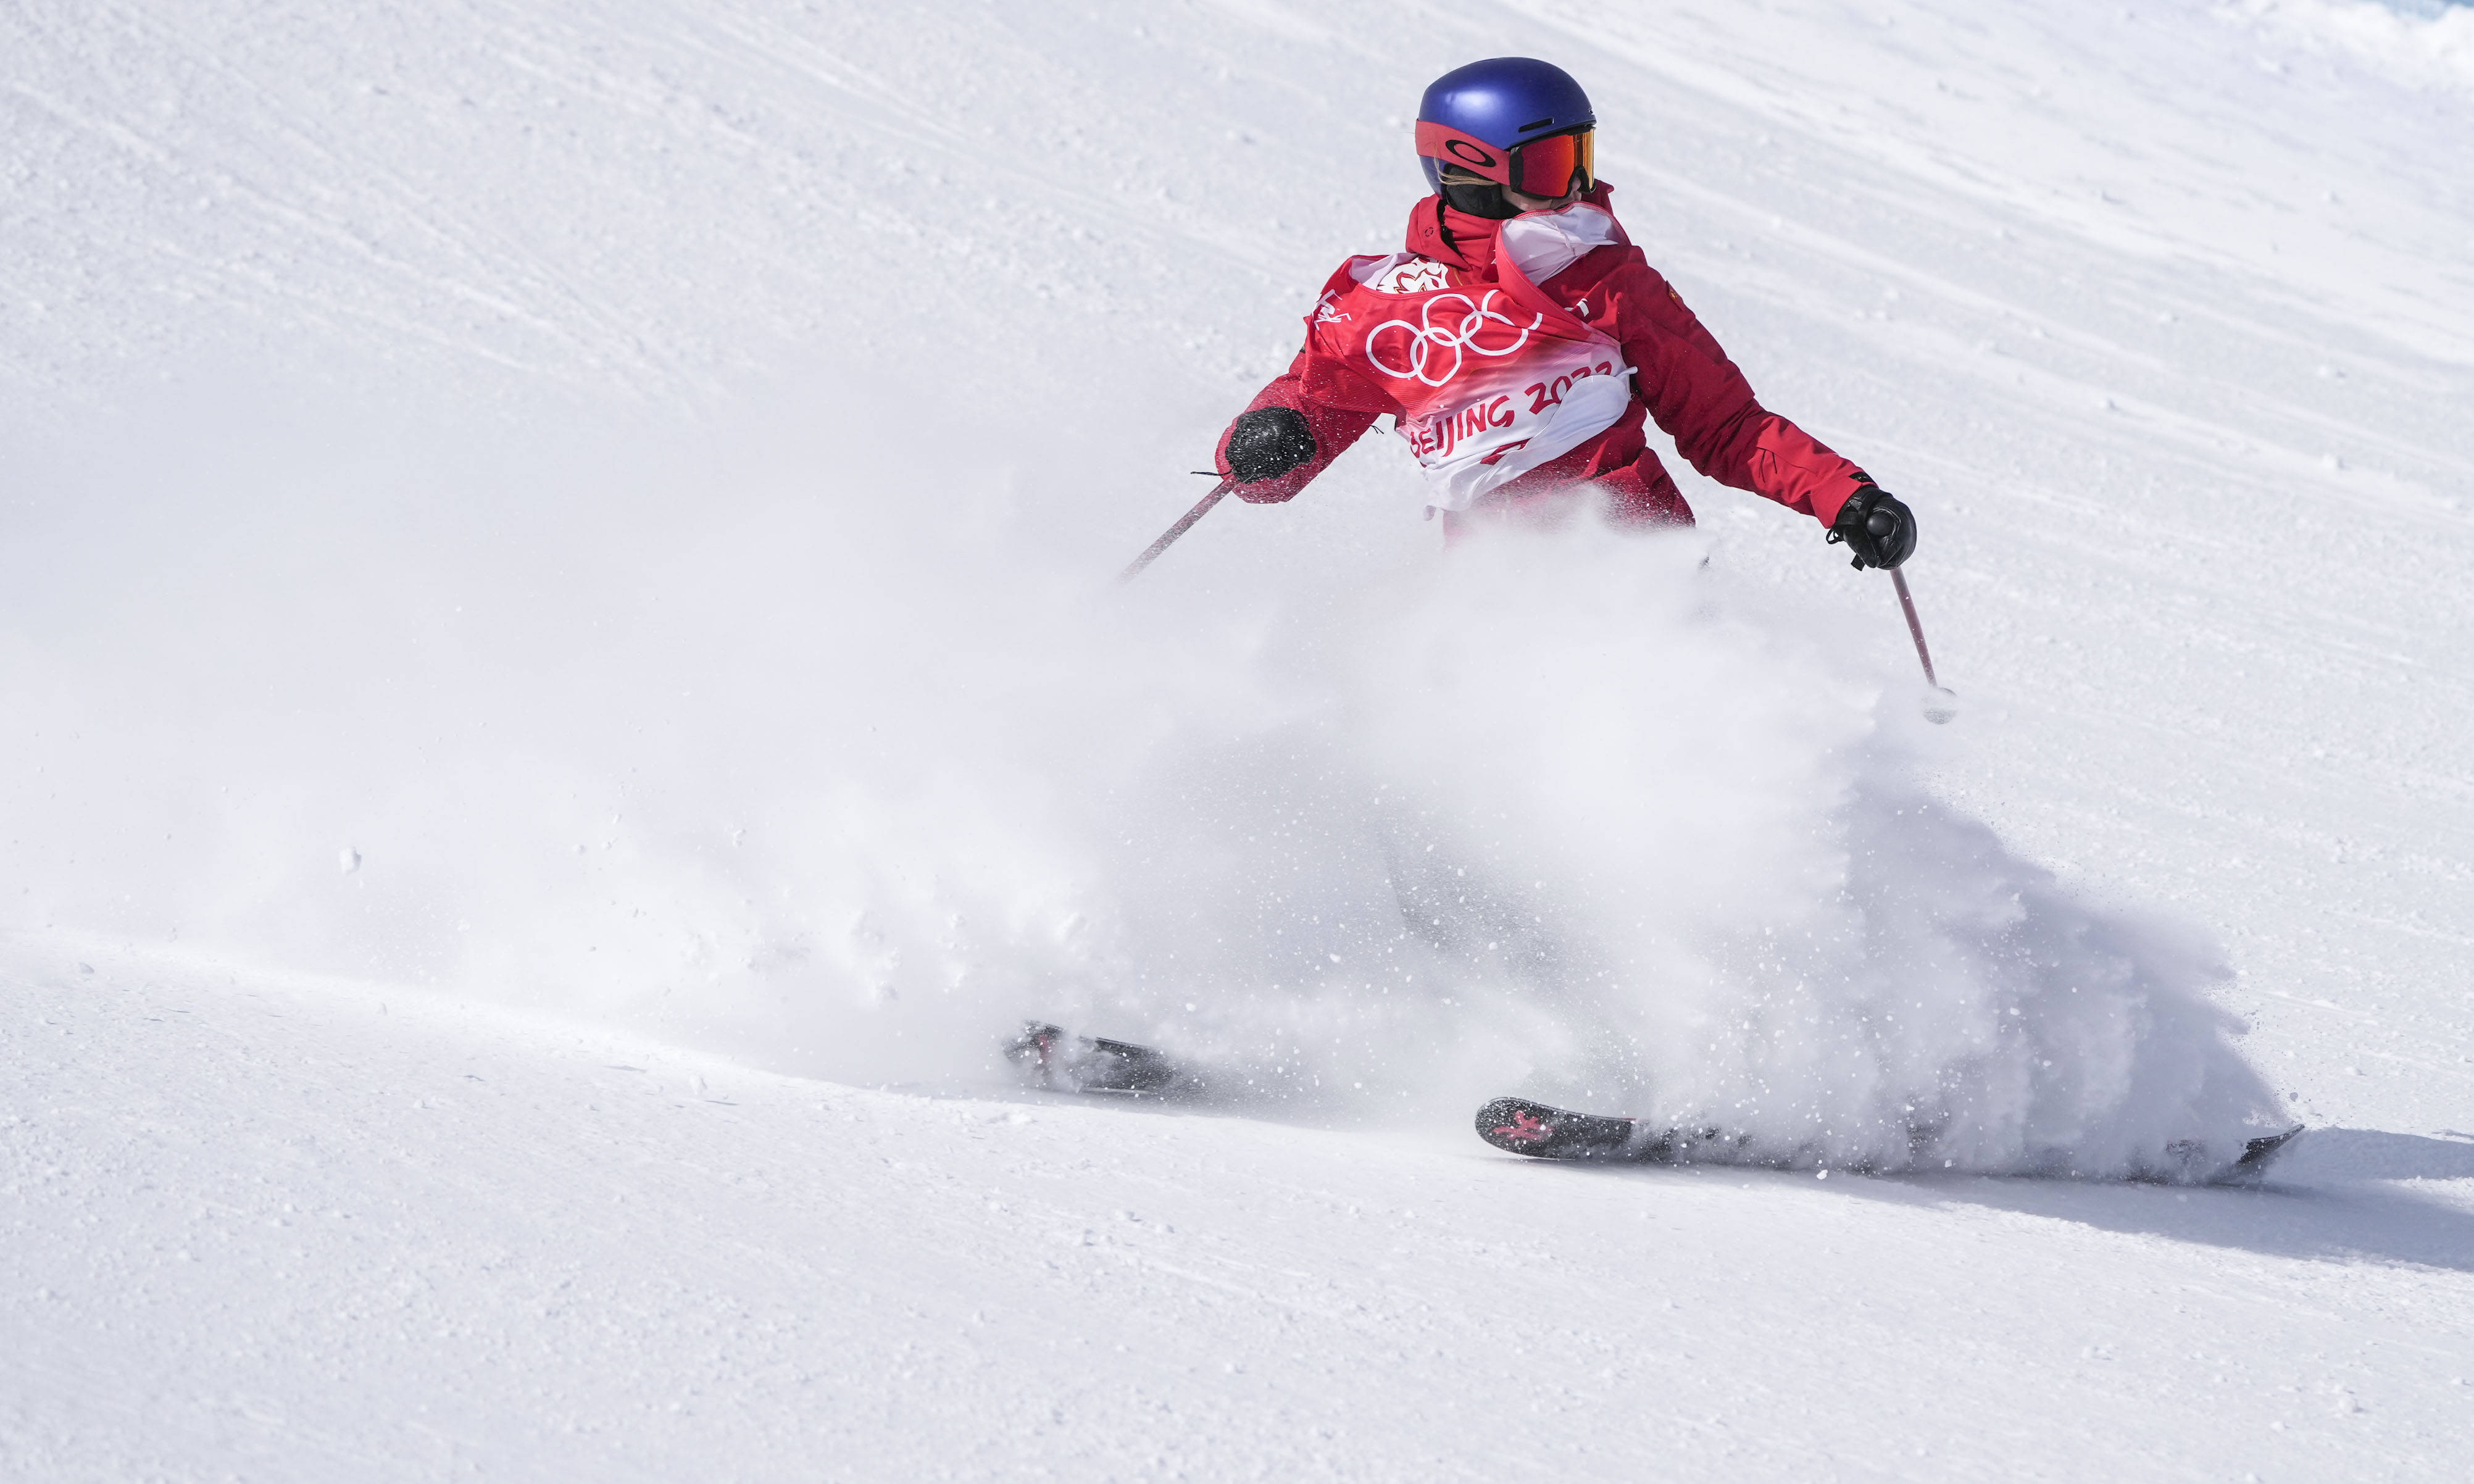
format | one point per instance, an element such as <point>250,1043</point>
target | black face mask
<point>1481,198</point>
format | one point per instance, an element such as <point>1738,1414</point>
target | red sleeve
<point>1338,405</point>
<point>1707,406</point>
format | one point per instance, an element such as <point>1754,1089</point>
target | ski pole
<point>1151,553</point>
<point>1908,604</point>
<point>1935,713</point>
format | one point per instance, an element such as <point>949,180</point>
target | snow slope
<point>279,1232</point>
<point>600,509</point>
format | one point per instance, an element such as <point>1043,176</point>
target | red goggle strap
<point>1437,141</point>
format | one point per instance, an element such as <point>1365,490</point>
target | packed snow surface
<point>564,696</point>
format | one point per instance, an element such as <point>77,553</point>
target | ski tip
<point>1517,1125</point>
<point>1521,1126</point>
<point>2260,1150</point>
<point>1031,1048</point>
<point>2256,1157</point>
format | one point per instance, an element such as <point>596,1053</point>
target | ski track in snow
<point>473,440</point>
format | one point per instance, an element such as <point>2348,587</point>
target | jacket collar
<point>1463,241</point>
<point>1448,236</point>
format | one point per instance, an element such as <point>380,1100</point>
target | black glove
<point>1267,443</point>
<point>1880,530</point>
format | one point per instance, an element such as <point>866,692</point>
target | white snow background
<point>564,693</point>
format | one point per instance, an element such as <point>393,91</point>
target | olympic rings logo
<point>1427,340</point>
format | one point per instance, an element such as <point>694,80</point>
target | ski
<point>1541,1130</point>
<point>1057,1060</point>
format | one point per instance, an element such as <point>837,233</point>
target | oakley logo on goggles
<point>1547,167</point>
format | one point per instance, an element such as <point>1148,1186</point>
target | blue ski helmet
<point>1503,101</point>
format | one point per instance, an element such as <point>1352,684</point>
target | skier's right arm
<point>1335,405</point>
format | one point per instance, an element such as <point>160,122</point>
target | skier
<point>1519,339</point>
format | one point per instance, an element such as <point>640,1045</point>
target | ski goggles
<point>1550,167</point>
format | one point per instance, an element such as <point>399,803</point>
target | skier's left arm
<point>1703,402</point>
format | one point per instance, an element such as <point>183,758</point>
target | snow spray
<point>848,771</point>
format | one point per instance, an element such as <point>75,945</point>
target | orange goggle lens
<point>1551,166</point>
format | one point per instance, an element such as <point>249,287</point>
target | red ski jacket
<point>1680,376</point>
